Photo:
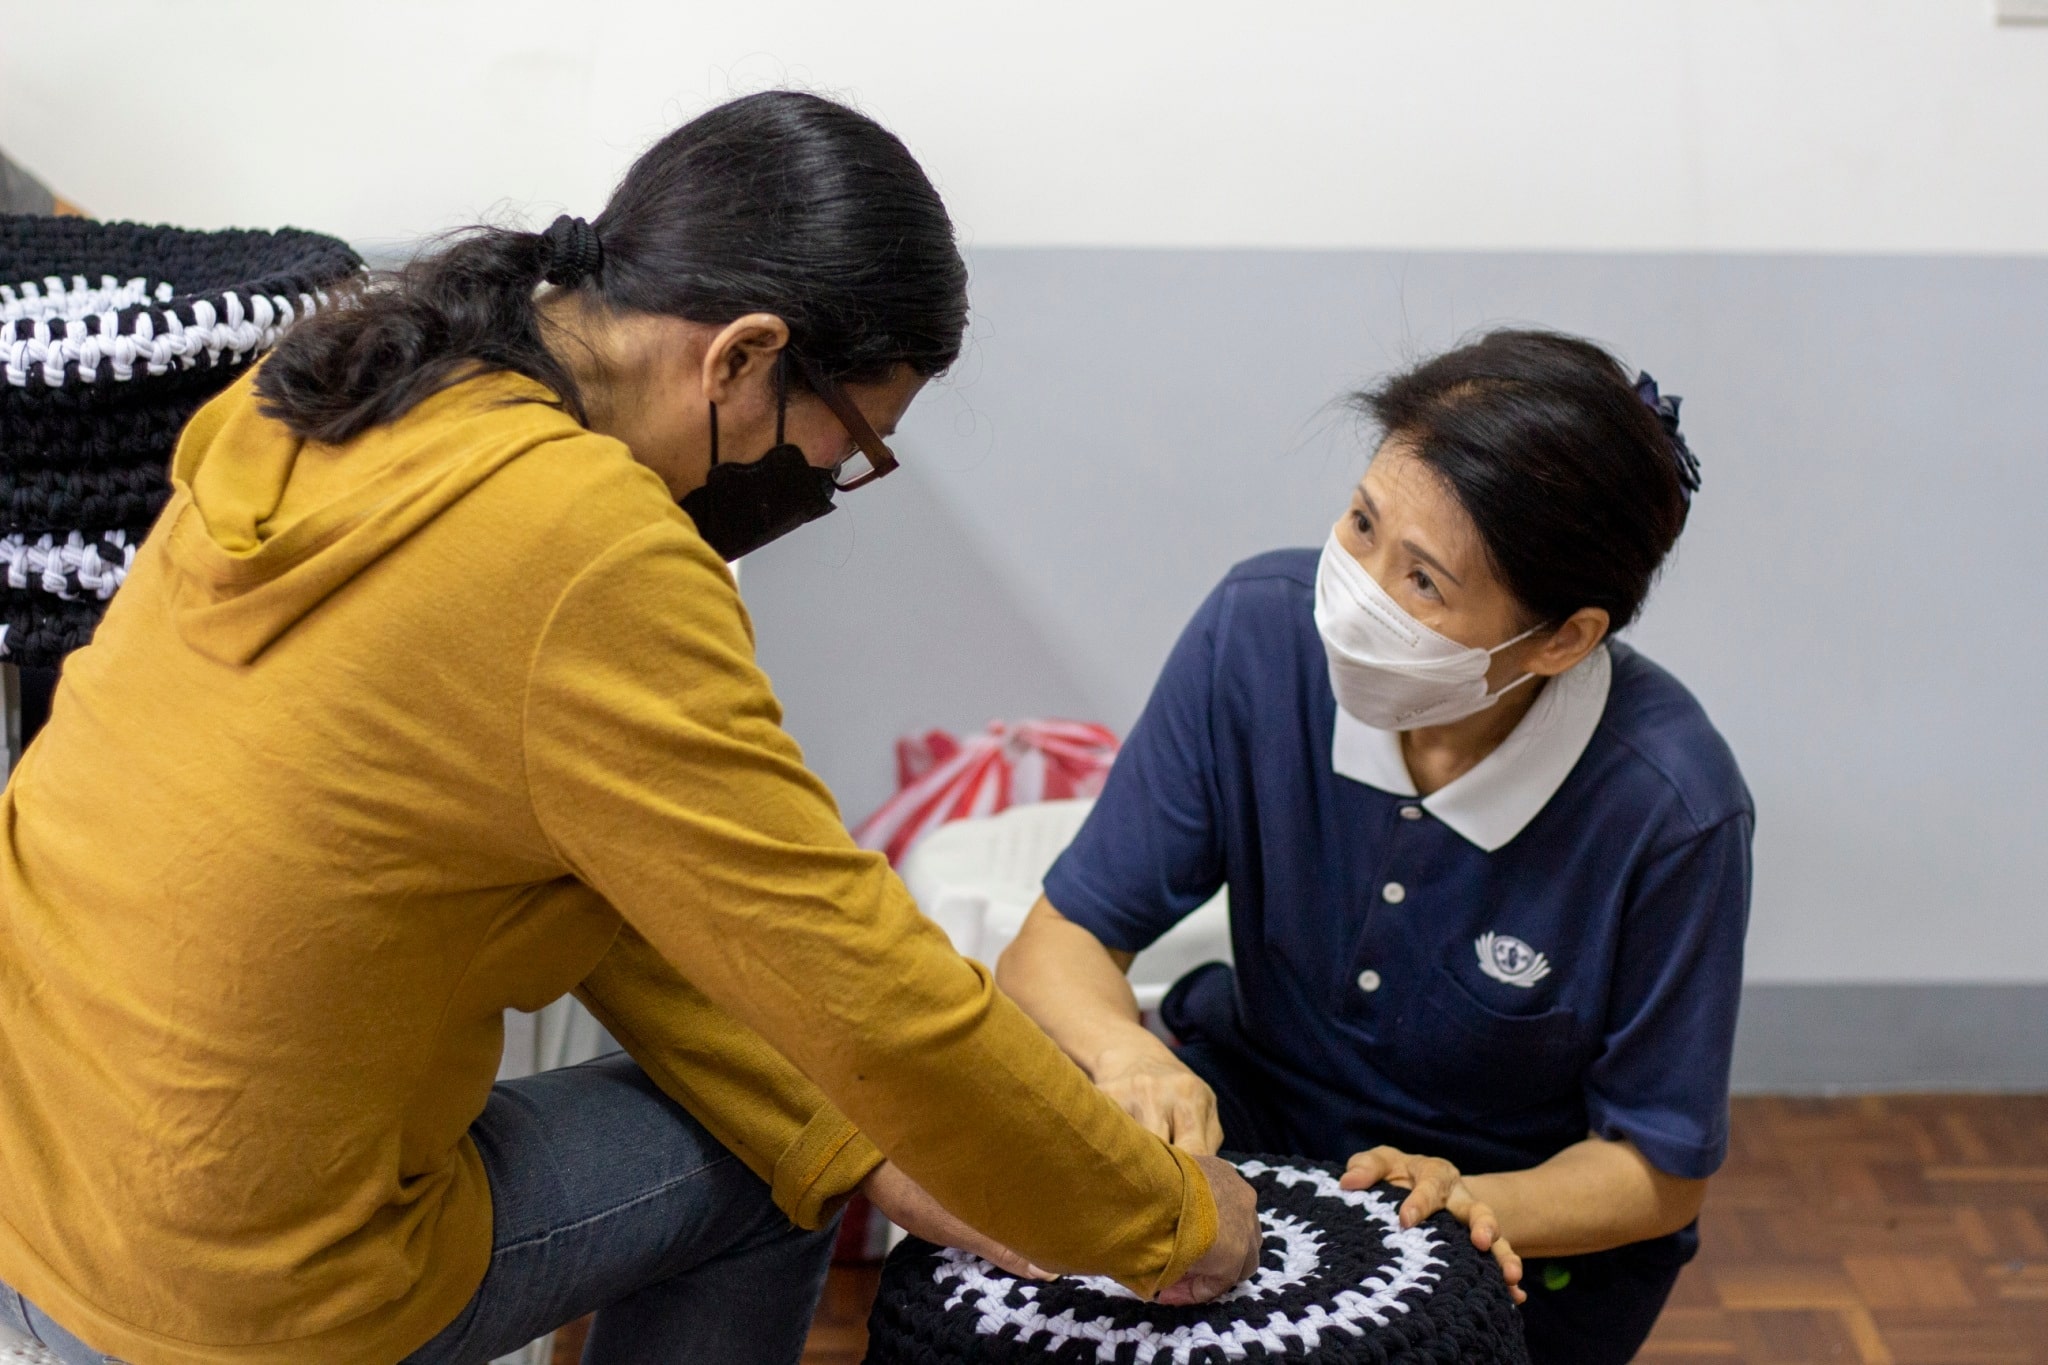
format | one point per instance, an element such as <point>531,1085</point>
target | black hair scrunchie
<point>573,252</point>
<point>1666,408</point>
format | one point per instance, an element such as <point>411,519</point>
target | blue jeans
<point>606,1196</point>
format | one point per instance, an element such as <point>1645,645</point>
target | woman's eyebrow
<point>1410,546</point>
<point>1426,557</point>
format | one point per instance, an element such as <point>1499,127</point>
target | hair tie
<point>1666,409</point>
<point>573,252</point>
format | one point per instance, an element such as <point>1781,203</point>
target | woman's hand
<point>1234,1255</point>
<point>1433,1184</point>
<point>1157,1090</point>
<point>904,1202</point>
<point>1231,1257</point>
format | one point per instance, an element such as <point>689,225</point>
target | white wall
<point>1902,808</point>
<point>1864,125</point>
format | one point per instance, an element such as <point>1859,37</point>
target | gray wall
<point>1859,600</point>
<point>1879,1037</point>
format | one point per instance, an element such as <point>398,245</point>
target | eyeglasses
<point>871,458</point>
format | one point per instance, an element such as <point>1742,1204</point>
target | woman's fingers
<point>1473,1214</point>
<point>1234,1255</point>
<point>1145,1109</point>
<point>1485,1228</point>
<point>1212,1131</point>
<point>907,1204</point>
<point>1167,1100</point>
<point>1195,1130</point>
<point>1141,1099</point>
<point>1510,1268</point>
<point>1436,1184</point>
<point>1433,1184</point>
<point>1366,1169</point>
<point>1429,1179</point>
<point>994,1252</point>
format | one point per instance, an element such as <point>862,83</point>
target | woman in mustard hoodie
<point>426,699</point>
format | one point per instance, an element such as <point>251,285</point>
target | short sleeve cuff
<point>825,1165</point>
<point>1077,904</point>
<point>1684,1158</point>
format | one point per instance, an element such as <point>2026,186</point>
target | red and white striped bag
<point>940,778</point>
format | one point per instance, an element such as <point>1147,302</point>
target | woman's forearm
<point>1074,988</point>
<point>1591,1196</point>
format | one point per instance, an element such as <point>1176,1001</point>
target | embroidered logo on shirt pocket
<point>1477,1063</point>
<point>1510,961</point>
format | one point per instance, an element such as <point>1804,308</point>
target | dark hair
<point>1577,487</point>
<point>781,202</point>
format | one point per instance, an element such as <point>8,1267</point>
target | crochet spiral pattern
<point>111,336</point>
<point>1341,1283</point>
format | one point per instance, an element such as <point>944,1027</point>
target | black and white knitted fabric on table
<point>111,336</point>
<point>1341,1283</point>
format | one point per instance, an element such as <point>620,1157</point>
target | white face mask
<point>1387,668</point>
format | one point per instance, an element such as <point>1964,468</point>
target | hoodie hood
<point>262,527</point>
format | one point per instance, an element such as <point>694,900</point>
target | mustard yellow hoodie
<point>378,740</point>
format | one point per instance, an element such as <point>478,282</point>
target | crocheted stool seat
<point>1341,1283</point>
<point>111,336</point>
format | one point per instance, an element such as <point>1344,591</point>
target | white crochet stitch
<point>156,340</point>
<point>76,568</point>
<point>32,301</point>
<point>1413,1270</point>
<point>1299,1259</point>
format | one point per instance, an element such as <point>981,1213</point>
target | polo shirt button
<point>1411,812</point>
<point>1368,981</point>
<point>1394,893</point>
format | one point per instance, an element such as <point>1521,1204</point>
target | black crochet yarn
<point>42,629</point>
<point>93,426</point>
<point>111,336</point>
<point>1340,1284</point>
<point>43,501</point>
<point>192,281</point>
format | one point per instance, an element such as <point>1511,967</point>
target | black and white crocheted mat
<point>1341,1283</point>
<point>111,336</point>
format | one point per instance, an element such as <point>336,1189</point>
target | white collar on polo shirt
<point>1503,792</point>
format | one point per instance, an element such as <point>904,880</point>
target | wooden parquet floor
<point>1896,1230</point>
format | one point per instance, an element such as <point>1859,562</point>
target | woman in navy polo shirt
<point>1488,869</point>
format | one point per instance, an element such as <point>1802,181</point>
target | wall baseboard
<point>1834,1039</point>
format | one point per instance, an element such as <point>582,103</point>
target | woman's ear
<point>742,353</point>
<point>1570,643</point>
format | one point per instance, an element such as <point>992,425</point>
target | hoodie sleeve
<point>659,770</point>
<point>764,1110</point>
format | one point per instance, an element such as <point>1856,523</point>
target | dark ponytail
<point>780,203</point>
<point>1574,474</point>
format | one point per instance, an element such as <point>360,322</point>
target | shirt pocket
<point>1477,1062</point>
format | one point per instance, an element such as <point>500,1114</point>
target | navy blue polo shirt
<point>1395,980</point>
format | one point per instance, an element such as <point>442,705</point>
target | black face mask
<point>742,507</point>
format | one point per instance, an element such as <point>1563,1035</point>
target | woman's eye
<point>1363,526</point>
<point>1424,584</point>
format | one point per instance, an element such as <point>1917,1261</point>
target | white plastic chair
<point>979,878</point>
